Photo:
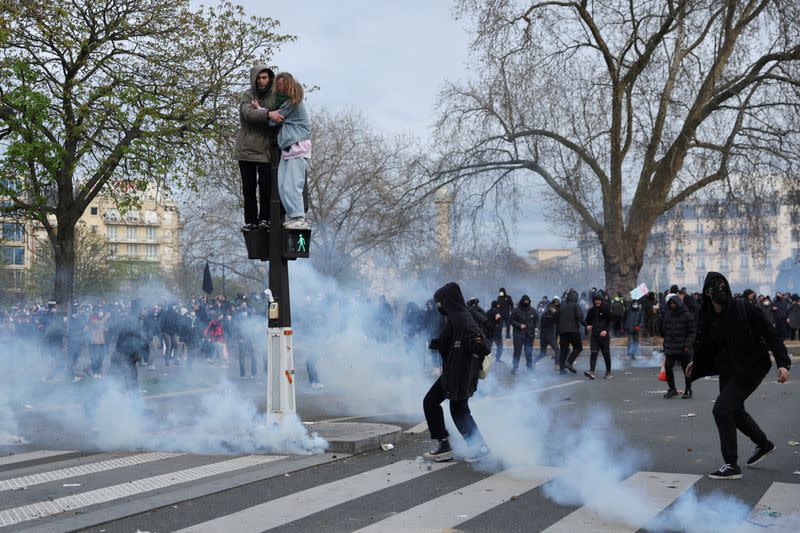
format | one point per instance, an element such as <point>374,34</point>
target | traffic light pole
<point>280,357</point>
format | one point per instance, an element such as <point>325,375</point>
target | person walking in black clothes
<point>495,315</point>
<point>506,306</point>
<point>548,329</point>
<point>131,344</point>
<point>679,328</point>
<point>599,323</point>
<point>524,319</point>
<point>570,319</point>
<point>463,347</point>
<point>733,341</point>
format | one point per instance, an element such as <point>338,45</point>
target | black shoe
<point>570,368</point>
<point>264,224</point>
<point>760,453</point>
<point>687,394</point>
<point>727,471</point>
<point>608,375</point>
<point>562,371</point>
<point>249,227</point>
<point>442,452</point>
<point>672,393</point>
<point>589,374</point>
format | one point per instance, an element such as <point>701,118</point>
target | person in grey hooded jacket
<point>253,145</point>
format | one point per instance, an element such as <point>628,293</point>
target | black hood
<point>710,278</point>
<point>525,298</point>
<point>451,299</point>
<point>677,299</point>
<point>572,296</point>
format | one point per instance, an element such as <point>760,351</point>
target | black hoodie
<point>524,314</point>
<point>461,344</point>
<point>678,328</point>
<point>570,315</point>
<point>736,342</point>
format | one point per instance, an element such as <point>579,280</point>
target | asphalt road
<point>563,422</point>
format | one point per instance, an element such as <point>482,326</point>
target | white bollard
<point>280,371</point>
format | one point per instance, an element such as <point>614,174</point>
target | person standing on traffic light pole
<point>678,325</point>
<point>252,148</point>
<point>294,140</point>
<point>733,341</point>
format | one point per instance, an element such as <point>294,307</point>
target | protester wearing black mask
<point>732,341</point>
<point>463,347</point>
<point>524,319</point>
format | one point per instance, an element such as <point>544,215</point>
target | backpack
<point>617,309</point>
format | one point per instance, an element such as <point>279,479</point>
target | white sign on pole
<point>639,291</point>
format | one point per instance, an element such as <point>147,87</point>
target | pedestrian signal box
<point>296,243</point>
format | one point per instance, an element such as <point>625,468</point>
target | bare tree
<point>625,109</point>
<point>113,93</point>
<point>364,192</point>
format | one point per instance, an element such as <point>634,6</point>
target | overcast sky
<point>387,59</point>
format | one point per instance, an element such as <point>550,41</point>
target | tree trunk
<point>622,262</point>
<point>64,257</point>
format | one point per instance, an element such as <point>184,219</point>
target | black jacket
<point>736,342</point>
<point>506,305</point>
<point>600,319</point>
<point>524,315</point>
<point>678,328</point>
<point>461,344</point>
<point>570,316</point>
<point>548,327</point>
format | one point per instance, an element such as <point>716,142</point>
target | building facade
<point>149,235</point>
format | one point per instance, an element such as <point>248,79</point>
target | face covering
<point>525,303</point>
<point>502,293</point>
<point>719,295</point>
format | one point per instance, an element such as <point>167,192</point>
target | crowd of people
<point>129,334</point>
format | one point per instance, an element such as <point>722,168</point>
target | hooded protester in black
<point>462,347</point>
<point>733,341</point>
<point>524,319</point>
<point>679,329</point>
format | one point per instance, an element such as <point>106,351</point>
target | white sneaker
<point>296,223</point>
<point>76,379</point>
<point>317,385</point>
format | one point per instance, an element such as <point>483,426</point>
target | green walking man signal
<point>301,243</point>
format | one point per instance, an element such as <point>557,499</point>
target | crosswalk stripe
<point>131,488</point>
<point>82,470</point>
<point>777,510</point>
<point>658,489</point>
<point>307,502</point>
<point>449,510</point>
<point>31,456</point>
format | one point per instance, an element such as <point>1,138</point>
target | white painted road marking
<point>128,489</point>
<point>658,489</point>
<point>75,471</point>
<point>458,506</point>
<point>777,510</point>
<point>31,456</point>
<point>307,502</point>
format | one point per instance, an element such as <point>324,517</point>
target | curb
<point>356,437</point>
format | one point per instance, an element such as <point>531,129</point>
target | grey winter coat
<point>255,133</point>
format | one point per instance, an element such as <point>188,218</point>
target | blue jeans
<point>291,180</point>
<point>633,345</point>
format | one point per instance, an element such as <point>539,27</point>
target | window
<point>132,250</point>
<point>700,245</point>
<point>93,210</point>
<point>744,262</point>
<point>700,229</point>
<point>150,234</point>
<point>723,264</point>
<point>701,264</point>
<point>679,266</point>
<point>113,250</point>
<point>152,251</point>
<point>12,232</point>
<point>13,255</point>
<point>112,233</point>
<point>768,261</point>
<point>94,229</point>
<point>131,234</point>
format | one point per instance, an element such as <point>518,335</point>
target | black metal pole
<point>278,265</point>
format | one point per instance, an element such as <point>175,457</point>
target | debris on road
<point>71,485</point>
<point>689,450</point>
<point>793,443</point>
<point>386,447</point>
<point>688,415</point>
<point>627,401</point>
<point>28,406</point>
